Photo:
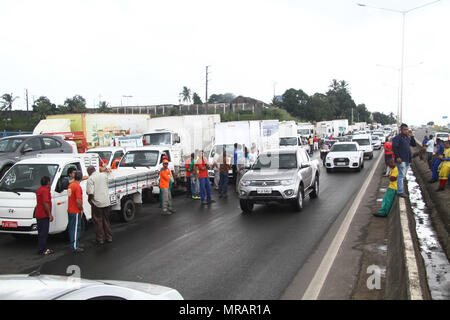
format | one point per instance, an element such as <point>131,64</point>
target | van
<point>365,144</point>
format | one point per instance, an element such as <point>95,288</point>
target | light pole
<point>124,96</point>
<point>403,12</point>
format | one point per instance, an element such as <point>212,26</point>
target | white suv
<point>365,144</point>
<point>345,155</point>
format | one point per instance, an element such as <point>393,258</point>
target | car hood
<point>346,154</point>
<point>270,174</point>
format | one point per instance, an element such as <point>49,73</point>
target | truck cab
<point>18,187</point>
<point>108,153</point>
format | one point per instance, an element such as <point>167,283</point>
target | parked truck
<point>18,187</point>
<point>99,129</point>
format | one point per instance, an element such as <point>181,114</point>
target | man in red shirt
<point>188,177</point>
<point>75,211</point>
<point>43,214</point>
<point>202,165</point>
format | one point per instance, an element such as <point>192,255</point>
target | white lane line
<point>414,288</point>
<point>316,284</point>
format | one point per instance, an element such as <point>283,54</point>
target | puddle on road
<point>436,262</point>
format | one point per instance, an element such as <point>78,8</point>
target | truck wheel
<point>246,206</point>
<point>298,203</point>
<point>128,210</point>
<point>315,193</point>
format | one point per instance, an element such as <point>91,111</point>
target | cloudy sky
<point>104,49</point>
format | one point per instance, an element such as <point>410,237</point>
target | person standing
<point>240,166</point>
<point>253,155</point>
<point>216,160</point>
<point>202,165</point>
<point>389,196</point>
<point>316,143</point>
<point>224,169</point>
<point>195,184</point>
<point>98,197</point>
<point>388,155</point>
<point>187,162</point>
<point>235,158</point>
<point>43,214</point>
<point>430,150</point>
<point>402,152</point>
<point>75,211</point>
<point>311,145</point>
<point>444,167</point>
<point>165,179</point>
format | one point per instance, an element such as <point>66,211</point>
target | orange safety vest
<point>115,163</point>
<point>164,178</point>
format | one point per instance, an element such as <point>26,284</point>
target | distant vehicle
<point>345,155</point>
<point>381,135</point>
<point>365,143</point>
<point>16,148</point>
<point>284,175</point>
<point>376,142</point>
<point>47,287</point>
<point>108,153</point>
<point>444,136</point>
<point>325,148</point>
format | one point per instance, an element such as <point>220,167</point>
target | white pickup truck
<point>18,187</point>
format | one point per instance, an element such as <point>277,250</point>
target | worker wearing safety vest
<point>165,181</point>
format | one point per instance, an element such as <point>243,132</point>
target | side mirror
<point>27,150</point>
<point>63,184</point>
<point>305,165</point>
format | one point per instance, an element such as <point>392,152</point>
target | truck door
<point>307,171</point>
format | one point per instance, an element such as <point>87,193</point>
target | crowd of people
<point>437,155</point>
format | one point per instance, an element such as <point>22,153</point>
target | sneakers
<point>166,213</point>
<point>196,197</point>
<point>379,215</point>
<point>47,252</point>
<point>78,250</point>
<point>204,202</point>
<point>172,210</point>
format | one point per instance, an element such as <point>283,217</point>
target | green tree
<point>361,114</point>
<point>103,107</point>
<point>196,98</point>
<point>221,98</point>
<point>296,103</point>
<point>185,95</point>
<point>340,98</point>
<point>7,102</point>
<point>77,104</point>
<point>44,107</point>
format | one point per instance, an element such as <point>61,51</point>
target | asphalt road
<point>205,252</point>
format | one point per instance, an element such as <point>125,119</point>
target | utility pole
<point>206,94</point>
<point>26,100</point>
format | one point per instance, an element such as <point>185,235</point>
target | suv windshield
<point>140,159</point>
<point>362,142</point>
<point>276,161</point>
<point>103,154</point>
<point>27,177</point>
<point>156,139</point>
<point>343,147</point>
<point>292,141</point>
<point>10,144</point>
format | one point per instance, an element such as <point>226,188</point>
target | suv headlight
<point>287,182</point>
<point>245,183</point>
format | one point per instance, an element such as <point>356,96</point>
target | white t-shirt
<point>97,185</point>
<point>217,159</point>
<point>430,146</point>
<point>252,158</point>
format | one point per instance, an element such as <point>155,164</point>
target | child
<point>444,167</point>
<point>389,196</point>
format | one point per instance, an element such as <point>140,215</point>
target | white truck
<point>305,129</point>
<point>333,127</point>
<point>108,153</point>
<point>289,136</point>
<point>18,187</point>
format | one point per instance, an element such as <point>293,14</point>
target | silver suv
<point>284,175</point>
<point>16,148</point>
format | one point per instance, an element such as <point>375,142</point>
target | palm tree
<point>185,95</point>
<point>7,102</point>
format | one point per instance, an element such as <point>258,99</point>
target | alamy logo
<point>374,280</point>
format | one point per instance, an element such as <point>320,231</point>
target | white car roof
<point>112,149</point>
<point>361,136</point>
<point>150,148</point>
<point>345,142</point>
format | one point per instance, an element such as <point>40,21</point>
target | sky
<point>107,49</point>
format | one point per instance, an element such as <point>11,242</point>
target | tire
<point>298,203</point>
<point>128,210</point>
<point>362,164</point>
<point>246,206</point>
<point>315,193</point>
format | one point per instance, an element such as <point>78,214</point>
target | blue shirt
<point>440,149</point>
<point>401,146</point>
<point>235,156</point>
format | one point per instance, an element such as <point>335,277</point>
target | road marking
<point>414,289</point>
<point>316,284</point>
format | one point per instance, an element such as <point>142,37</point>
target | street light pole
<point>403,12</point>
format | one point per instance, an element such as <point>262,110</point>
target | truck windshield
<point>10,144</point>
<point>343,148</point>
<point>140,159</point>
<point>362,142</point>
<point>27,177</point>
<point>304,132</point>
<point>276,161</point>
<point>103,154</point>
<point>291,141</point>
<point>156,139</point>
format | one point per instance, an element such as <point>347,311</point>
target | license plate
<point>9,224</point>
<point>263,191</point>
<point>113,198</point>
<point>341,163</point>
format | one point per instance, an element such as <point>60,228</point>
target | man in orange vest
<point>165,179</point>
